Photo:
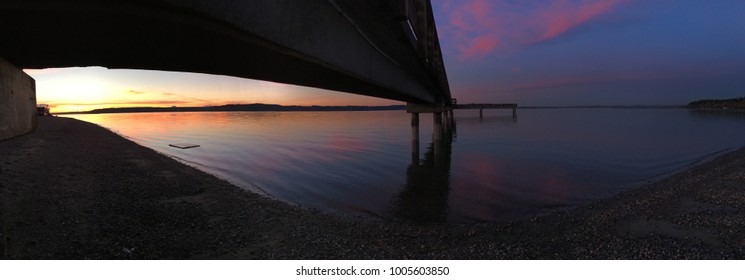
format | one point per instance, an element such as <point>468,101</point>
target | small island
<point>733,103</point>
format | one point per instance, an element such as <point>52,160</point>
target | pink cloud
<point>566,15</point>
<point>480,46</point>
<point>480,27</point>
<point>473,16</point>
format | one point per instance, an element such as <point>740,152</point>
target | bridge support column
<point>415,126</point>
<point>415,153</point>
<point>451,116</point>
<point>437,133</point>
<point>449,120</point>
<point>437,130</point>
<point>17,101</point>
<point>415,139</point>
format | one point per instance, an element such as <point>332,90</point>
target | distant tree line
<point>737,103</point>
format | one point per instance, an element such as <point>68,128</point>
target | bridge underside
<point>374,48</point>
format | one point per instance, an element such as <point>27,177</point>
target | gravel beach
<point>73,190</point>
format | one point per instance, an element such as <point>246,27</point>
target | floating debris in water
<point>184,145</point>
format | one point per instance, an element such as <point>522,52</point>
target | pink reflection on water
<point>483,180</point>
<point>349,144</point>
<point>345,147</point>
<point>554,185</point>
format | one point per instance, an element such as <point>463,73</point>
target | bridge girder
<point>386,49</point>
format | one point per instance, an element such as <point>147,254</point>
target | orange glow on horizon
<point>83,89</point>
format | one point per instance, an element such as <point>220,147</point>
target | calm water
<point>489,169</point>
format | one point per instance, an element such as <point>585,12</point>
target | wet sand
<point>73,190</point>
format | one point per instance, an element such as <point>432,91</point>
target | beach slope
<point>73,190</point>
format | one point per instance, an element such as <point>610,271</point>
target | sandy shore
<point>73,190</point>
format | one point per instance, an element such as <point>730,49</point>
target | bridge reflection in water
<point>424,199</point>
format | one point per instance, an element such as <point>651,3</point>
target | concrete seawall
<point>17,101</point>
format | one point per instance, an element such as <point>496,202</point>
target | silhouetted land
<point>73,190</point>
<point>258,107</point>
<point>734,103</point>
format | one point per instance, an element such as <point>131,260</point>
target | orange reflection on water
<point>140,124</point>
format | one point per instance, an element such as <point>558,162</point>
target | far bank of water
<point>493,168</point>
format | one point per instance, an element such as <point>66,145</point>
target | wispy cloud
<point>480,46</point>
<point>481,27</point>
<point>565,15</point>
<point>136,92</point>
<point>187,98</point>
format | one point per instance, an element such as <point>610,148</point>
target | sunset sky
<point>564,52</point>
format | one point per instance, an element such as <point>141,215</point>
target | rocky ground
<point>73,190</point>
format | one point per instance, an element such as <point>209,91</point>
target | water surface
<point>493,168</point>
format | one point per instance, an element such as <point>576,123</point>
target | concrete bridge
<point>382,48</point>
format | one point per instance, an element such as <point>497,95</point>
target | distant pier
<point>481,107</point>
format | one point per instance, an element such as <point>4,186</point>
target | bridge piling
<point>415,138</point>
<point>451,116</point>
<point>437,131</point>
<point>415,126</point>
<point>445,121</point>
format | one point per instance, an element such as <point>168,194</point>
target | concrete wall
<point>17,101</point>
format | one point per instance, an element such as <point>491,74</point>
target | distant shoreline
<point>258,107</point>
<point>732,103</point>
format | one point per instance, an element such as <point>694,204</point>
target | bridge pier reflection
<point>424,199</point>
<point>415,127</point>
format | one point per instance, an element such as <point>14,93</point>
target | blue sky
<point>611,52</point>
<point>564,52</point>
